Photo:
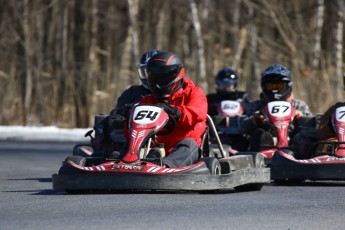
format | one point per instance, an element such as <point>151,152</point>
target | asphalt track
<point>27,201</point>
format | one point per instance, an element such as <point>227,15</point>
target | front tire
<point>78,150</point>
<point>66,168</point>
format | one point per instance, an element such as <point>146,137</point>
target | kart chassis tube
<point>214,130</point>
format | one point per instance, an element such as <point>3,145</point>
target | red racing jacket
<point>191,101</point>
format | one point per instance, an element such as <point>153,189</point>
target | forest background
<point>64,61</point>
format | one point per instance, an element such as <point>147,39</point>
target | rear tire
<point>214,167</point>
<point>212,164</point>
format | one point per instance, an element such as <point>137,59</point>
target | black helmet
<point>165,73</point>
<point>226,78</point>
<point>142,66</point>
<point>276,82</point>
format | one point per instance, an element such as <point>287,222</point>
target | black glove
<point>116,121</point>
<point>259,118</point>
<point>171,111</point>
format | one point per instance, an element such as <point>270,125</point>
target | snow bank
<point>46,133</point>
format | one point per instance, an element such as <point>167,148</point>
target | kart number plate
<point>230,107</point>
<point>146,114</point>
<point>340,114</point>
<point>279,108</point>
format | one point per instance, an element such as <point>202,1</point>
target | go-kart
<point>215,170</point>
<point>278,117</point>
<point>326,162</point>
<point>228,124</point>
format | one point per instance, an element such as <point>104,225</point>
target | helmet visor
<point>279,86</point>
<point>227,87</point>
<point>163,75</point>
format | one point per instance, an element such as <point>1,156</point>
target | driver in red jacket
<point>181,99</point>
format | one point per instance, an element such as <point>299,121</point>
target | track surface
<point>27,201</point>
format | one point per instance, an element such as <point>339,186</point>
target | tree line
<point>64,61</point>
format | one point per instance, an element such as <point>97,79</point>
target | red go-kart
<point>228,123</point>
<point>324,164</point>
<point>279,116</point>
<point>215,170</point>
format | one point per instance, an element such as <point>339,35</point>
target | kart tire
<point>288,182</point>
<point>259,162</point>
<point>79,160</point>
<point>258,158</point>
<point>249,188</point>
<point>212,164</point>
<point>75,191</point>
<point>69,169</point>
<point>78,151</point>
<point>260,139</point>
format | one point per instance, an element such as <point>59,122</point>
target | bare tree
<point>79,57</point>
<point>62,9</point>
<point>63,61</point>
<point>28,61</point>
<point>318,33</point>
<point>338,50</point>
<point>200,46</point>
<point>278,23</point>
<point>240,47</point>
<point>253,70</point>
<point>93,65</point>
<point>160,25</point>
<point>133,7</point>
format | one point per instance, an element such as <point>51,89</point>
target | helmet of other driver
<point>165,73</point>
<point>276,83</point>
<point>142,66</point>
<point>226,80</point>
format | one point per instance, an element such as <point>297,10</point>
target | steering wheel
<point>169,127</point>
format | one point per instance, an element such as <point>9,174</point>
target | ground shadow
<point>309,183</point>
<point>43,180</point>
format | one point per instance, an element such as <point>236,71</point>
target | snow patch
<point>44,133</point>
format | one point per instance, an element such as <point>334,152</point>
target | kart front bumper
<point>173,182</point>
